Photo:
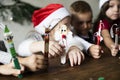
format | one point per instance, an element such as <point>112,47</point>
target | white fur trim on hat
<point>52,20</point>
<point>101,2</point>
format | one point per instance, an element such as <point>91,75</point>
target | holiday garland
<point>18,12</point>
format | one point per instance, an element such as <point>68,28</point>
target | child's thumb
<point>119,47</point>
<point>22,68</point>
<point>102,51</point>
<point>15,72</point>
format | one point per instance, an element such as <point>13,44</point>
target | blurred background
<point>20,23</point>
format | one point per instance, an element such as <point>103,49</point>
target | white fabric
<point>5,57</point>
<point>24,47</point>
<point>85,44</point>
<point>101,2</point>
<point>72,41</point>
<point>52,20</point>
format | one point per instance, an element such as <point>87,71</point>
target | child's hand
<point>55,49</point>
<point>75,56</point>
<point>35,62</point>
<point>119,47</point>
<point>114,50</point>
<point>95,51</point>
<point>8,69</point>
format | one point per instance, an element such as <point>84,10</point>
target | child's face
<point>82,22</point>
<point>113,10</point>
<point>65,21</point>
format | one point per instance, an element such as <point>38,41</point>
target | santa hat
<point>48,17</point>
<point>101,3</point>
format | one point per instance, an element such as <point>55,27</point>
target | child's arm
<point>27,47</point>
<point>34,62</point>
<point>74,51</point>
<point>109,42</point>
<point>8,69</point>
<point>93,50</point>
<point>35,43</point>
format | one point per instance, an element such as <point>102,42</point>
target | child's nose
<point>85,25</point>
<point>116,8</point>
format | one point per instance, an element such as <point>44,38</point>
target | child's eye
<point>110,6</point>
<point>89,22</point>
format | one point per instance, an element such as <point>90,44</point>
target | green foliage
<point>20,11</point>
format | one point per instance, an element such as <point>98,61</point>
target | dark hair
<point>2,46</point>
<point>102,15</point>
<point>80,7</point>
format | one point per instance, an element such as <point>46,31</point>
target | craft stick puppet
<point>98,33</point>
<point>115,32</point>
<point>63,41</point>
<point>46,49</point>
<point>9,38</point>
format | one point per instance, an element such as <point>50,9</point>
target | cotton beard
<point>57,35</point>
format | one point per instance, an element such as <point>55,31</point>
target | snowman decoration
<point>62,35</point>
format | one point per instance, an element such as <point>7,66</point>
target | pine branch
<point>21,11</point>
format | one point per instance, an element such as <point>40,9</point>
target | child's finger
<point>102,51</point>
<point>22,68</point>
<point>52,52</point>
<point>83,57</point>
<point>119,47</point>
<point>113,46</point>
<point>97,57</point>
<point>79,57</point>
<point>96,53</point>
<point>41,67</point>
<point>57,46</point>
<point>114,52</point>
<point>41,57</point>
<point>75,58</point>
<point>49,55</point>
<point>41,62</point>
<point>55,51</point>
<point>15,72</point>
<point>71,60</point>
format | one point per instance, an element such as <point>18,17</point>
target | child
<point>109,15</point>
<point>57,19</point>
<point>31,63</point>
<point>8,68</point>
<point>82,23</point>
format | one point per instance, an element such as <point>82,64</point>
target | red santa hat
<point>101,3</point>
<point>48,17</point>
